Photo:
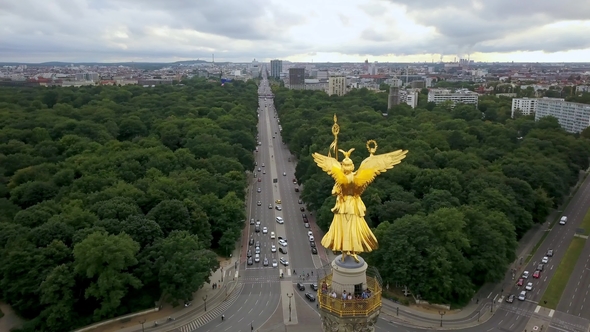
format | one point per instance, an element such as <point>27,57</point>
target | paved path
<point>10,319</point>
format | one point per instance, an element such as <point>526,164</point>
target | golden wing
<point>375,165</point>
<point>331,166</point>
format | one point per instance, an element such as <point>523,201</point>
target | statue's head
<point>347,165</point>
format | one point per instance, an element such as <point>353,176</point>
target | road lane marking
<point>551,313</point>
<point>537,309</point>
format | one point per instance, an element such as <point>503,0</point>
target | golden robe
<point>349,230</point>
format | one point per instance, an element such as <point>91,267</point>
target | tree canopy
<point>449,216</point>
<point>112,197</point>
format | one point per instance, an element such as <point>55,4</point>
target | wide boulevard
<point>268,299</point>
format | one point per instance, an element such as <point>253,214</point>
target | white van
<point>563,220</point>
<point>280,220</point>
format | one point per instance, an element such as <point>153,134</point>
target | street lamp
<point>290,296</point>
<point>205,300</point>
<point>142,322</point>
<point>441,313</point>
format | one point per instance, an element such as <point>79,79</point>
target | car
<point>312,244</point>
<point>257,222</point>
<point>264,230</point>
<point>284,174</point>
<point>525,274</point>
<point>510,298</point>
<point>250,261</point>
<point>273,137</point>
<point>257,250</point>
<point>280,220</point>
<point>284,261</point>
<point>265,262</point>
<point>282,242</point>
<point>520,282</point>
<point>249,253</point>
<point>272,235</point>
<point>306,225</point>
<point>259,179</point>
<point>252,221</point>
<point>257,228</point>
<point>259,190</point>
<point>257,243</point>
<point>274,263</point>
<point>537,274</point>
<point>263,172</point>
<point>300,286</point>
<point>283,250</point>
<point>545,260</point>
<point>259,203</point>
<point>563,220</point>
<point>314,287</point>
<point>304,216</point>
<point>314,250</point>
<point>309,233</point>
<point>279,208</point>
<point>540,267</point>
<point>270,206</point>
<point>257,258</point>
<point>278,201</point>
<point>300,201</point>
<point>262,164</point>
<point>273,248</point>
<point>522,296</point>
<point>529,286</point>
<point>550,253</point>
<point>301,208</point>
<point>259,169</point>
<point>310,297</point>
<point>311,238</point>
<point>251,242</point>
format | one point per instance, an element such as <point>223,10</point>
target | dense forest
<point>113,198</point>
<point>448,218</point>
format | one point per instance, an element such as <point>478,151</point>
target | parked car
<point>249,253</point>
<point>250,261</point>
<point>302,208</point>
<point>314,250</point>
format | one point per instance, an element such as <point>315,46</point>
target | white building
<point>573,117</point>
<point>528,106</point>
<point>409,97</point>
<point>337,85</point>
<point>460,96</point>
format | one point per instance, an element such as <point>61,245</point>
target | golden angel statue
<point>349,232</point>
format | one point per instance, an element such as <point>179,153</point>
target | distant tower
<point>213,57</point>
<point>393,98</point>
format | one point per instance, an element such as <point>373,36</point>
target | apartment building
<point>460,96</point>
<point>527,106</point>
<point>297,78</point>
<point>573,117</point>
<point>337,85</point>
<point>276,67</point>
<point>409,97</point>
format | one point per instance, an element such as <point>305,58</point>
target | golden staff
<point>334,145</point>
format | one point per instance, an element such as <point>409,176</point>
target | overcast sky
<point>302,30</point>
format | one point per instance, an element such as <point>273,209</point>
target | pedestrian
<point>477,301</point>
<point>222,318</point>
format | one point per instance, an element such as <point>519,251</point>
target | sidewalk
<point>226,272</point>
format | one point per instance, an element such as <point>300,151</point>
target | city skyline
<point>303,31</point>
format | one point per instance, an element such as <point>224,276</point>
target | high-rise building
<point>528,106</point>
<point>276,67</point>
<point>337,85</point>
<point>393,98</point>
<point>573,117</point>
<point>297,78</point>
<point>460,96</point>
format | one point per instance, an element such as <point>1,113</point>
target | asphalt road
<point>265,293</point>
<point>575,300</point>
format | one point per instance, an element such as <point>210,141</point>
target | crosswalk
<point>214,313</point>
<point>260,279</point>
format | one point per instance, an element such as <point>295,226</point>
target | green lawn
<point>586,223</point>
<point>562,275</point>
